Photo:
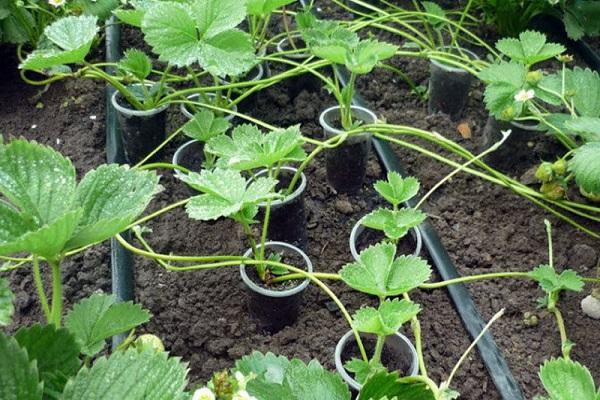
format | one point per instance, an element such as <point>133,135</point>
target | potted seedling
<point>380,273</point>
<point>347,163</point>
<point>227,193</point>
<point>394,223</point>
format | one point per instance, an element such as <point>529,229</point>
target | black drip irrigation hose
<point>121,260</point>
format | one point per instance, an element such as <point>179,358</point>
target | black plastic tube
<point>121,260</point>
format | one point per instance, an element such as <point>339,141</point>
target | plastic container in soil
<point>449,86</point>
<point>398,354</point>
<point>142,131</point>
<point>189,114</point>
<point>305,81</point>
<point>287,222</point>
<point>347,164</point>
<point>516,150</point>
<point>362,237</point>
<point>189,155</point>
<point>276,306</point>
<point>257,73</point>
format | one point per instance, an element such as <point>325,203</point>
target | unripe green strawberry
<point>508,113</point>
<point>553,190</point>
<point>545,172</point>
<point>147,342</point>
<point>560,167</point>
<point>534,77</point>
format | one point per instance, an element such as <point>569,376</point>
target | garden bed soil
<point>202,316</point>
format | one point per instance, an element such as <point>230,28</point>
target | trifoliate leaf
<point>205,125</point>
<point>7,307</point>
<point>130,374</point>
<point>503,82</point>
<point>395,224</point>
<point>396,189</point>
<point>387,319</point>
<point>567,380</point>
<point>136,63</point>
<point>249,148</point>
<point>530,48</point>
<point>263,8</point>
<point>585,164</point>
<point>363,369</point>
<point>378,273</point>
<point>301,382</point>
<point>98,317</point>
<point>436,14</point>
<point>383,384</point>
<point>19,379</point>
<point>587,128</point>
<point>72,37</point>
<point>111,196</point>
<point>367,54</point>
<point>267,367</point>
<point>55,351</point>
<point>226,193</point>
<point>550,281</point>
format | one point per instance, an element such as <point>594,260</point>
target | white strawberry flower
<point>525,95</point>
<point>204,394</point>
<point>57,3</point>
<point>243,395</point>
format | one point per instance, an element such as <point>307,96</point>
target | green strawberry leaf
<point>264,8</point>
<point>587,128</point>
<point>98,317</point>
<point>55,351</point>
<point>136,63</point>
<point>396,190</point>
<point>227,194</point>
<point>131,374</point>
<point>72,38</point>
<point>367,54</point>
<point>19,378</point>
<point>379,273</point>
<point>205,125</point>
<point>503,82</point>
<point>267,367</point>
<point>550,281</point>
<point>98,8</point>
<point>436,14</point>
<point>395,224</point>
<point>387,319</point>
<point>248,148</point>
<point>530,48</point>
<point>585,164</point>
<point>7,307</point>
<point>363,369</point>
<point>383,384</point>
<point>567,380</point>
<point>584,85</point>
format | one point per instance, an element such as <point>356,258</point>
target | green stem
<point>376,359</point>
<point>56,313</point>
<point>39,284</point>
<point>564,340</point>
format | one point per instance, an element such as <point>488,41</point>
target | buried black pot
<point>142,131</point>
<point>287,222</point>
<point>398,354</point>
<point>276,309</point>
<point>189,113</point>
<point>409,244</point>
<point>305,81</point>
<point>449,86</point>
<point>347,163</point>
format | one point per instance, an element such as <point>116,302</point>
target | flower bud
<point>545,172</point>
<point>560,167</point>
<point>553,190</point>
<point>149,342</point>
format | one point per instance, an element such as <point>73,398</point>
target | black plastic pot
<point>141,131</point>
<point>397,348</point>
<point>189,114</point>
<point>275,309</point>
<point>449,87</point>
<point>517,148</point>
<point>305,81</point>
<point>287,221</point>
<point>347,163</point>
<point>359,229</point>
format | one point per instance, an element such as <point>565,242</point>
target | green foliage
<point>503,82</point>
<point>550,281</point>
<point>436,14</point>
<point>584,85</point>
<point>266,367</point>
<point>205,125</point>
<point>71,39</point>
<point>226,193</point>
<point>202,31</point>
<point>396,190</point>
<point>99,317</point>
<point>47,213</point>
<point>264,8</point>
<point>147,375</point>
<point>136,63</point>
<point>581,18</point>
<point>512,17</point>
<point>565,379</point>
<point>98,8</point>
<point>300,382</point>
<point>19,379</point>
<point>387,319</point>
<point>379,273</point>
<point>585,164</point>
<point>248,148</point>
<point>362,369</point>
<point>587,128</point>
<point>55,351</point>
<point>135,15</point>
<point>389,385</point>
<point>395,224</point>
<point>7,308</point>
<point>530,48</point>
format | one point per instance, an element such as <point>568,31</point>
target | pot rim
<point>180,149</point>
<point>135,113</point>
<point>294,56</point>
<point>452,68</point>
<point>359,228</point>
<point>189,115</point>
<point>339,366</point>
<point>291,197</point>
<point>334,131</point>
<point>276,293</point>
<point>260,72</point>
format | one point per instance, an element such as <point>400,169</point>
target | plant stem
<point>56,313</point>
<point>39,284</point>
<point>564,340</point>
<point>376,359</point>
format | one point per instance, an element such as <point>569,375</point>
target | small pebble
<point>591,307</point>
<point>344,206</point>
